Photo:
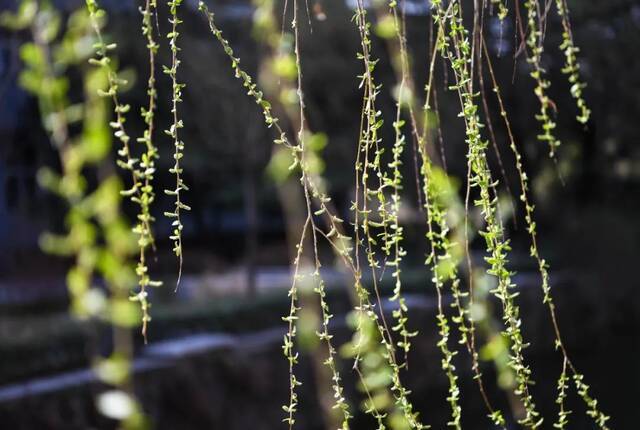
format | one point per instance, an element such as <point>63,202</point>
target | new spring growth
<point>480,179</point>
<point>571,66</point>
<point>174,133</point>
<point>534,41</point>
<point>141,191</point>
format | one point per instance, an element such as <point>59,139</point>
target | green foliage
<point>147,169</point>
<point>103,244</point>
<point>174,133</point>
<point>535,43</point>
<point>302,157</point>
<point>97,237</point>
<point>141,169</point>
<point>502,8</point>
<point>457,49</point>
<point>572,67</point>
<point>376,217</point>
<point>369,164</point>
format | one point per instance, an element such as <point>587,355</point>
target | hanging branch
<point>337,239</point>
<point>571,66</point>
<point>393,244</point>
<point>369,142</point>
<point>459,52</point>
<point>147,170</point>
<point>543,268</point>
<point>174,131</point>
<point>534,41</point>
<point>340,401</point>
<point>441,265</point>
<point>141,192</point>
<point>437,214</point>
<point>442,269</point>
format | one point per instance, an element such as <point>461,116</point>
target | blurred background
<point>214,357</point>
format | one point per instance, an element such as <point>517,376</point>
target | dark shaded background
<point>589,227</point>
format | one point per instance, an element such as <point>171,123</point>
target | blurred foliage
<point>97,237</point>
